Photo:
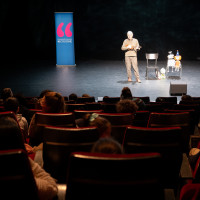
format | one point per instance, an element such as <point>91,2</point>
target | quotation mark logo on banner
<point>60,32</point>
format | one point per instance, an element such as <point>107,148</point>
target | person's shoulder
<point>135,39</point>
<point>126,40</point>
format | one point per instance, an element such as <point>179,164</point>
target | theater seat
<point>53,119</point>
<point>107,176</point>
<point>60,142</point>
<point>16,177</point>
<point>181,119</point>
<point>166,141</point>
<point>118,118</point>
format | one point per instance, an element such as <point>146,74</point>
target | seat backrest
<point>51,119</point>
<point>151,56</point>
<point>154,107</point>
<point>167,99</point>
<point>108,176</point>
<point>166,141</point>
<point>145,99</point>
<point>111,99</point>
<point>173,120</point>
<point>85,99</point>
<point>196,173</point>
<point>193,117</point>
<point>8,114</point>
<point>141,118</point>
<point>109,107</point>
<point>55,119</point>
<point>80,113</point>
<point>16,176</point>
<point>72,107</point>
<point>60,142</point>
<point>93,106</point>
<point>118,118</point>
<point>118,132</point>
<point>169,119</point>
<point>190,191</point>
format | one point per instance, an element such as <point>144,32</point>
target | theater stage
<point>95,77</point>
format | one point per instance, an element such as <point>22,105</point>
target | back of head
<point>85,95</point>
<point>108,146</point>
<point>53,102</point>
<point>73,97</point>
<point>44,92</point>
<point>186,98</point>
<point>102,124</point>
<point>126,93</point>
<point>11,104</point>
<point>126,106</point>
<point>10,133</point>
<point>6,92</point>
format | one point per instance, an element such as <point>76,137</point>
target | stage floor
<point>96,78</point>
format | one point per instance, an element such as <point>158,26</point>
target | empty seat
<point>118,132</point>
<point>182,119</point>
<point>109,107</point>
<point>93,106</point>
<point>141,118</point>
<point>166,141</point>
<point>60,142</point>
<point>154,107</point>
<point>72,107</point>
<point>16,177</point>
<point>107,176</point>
<point>85,100</point>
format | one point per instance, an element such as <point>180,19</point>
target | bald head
<point>130,34</point>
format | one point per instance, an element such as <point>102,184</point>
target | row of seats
<point>154,122</point>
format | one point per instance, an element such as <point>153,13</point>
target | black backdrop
<point>27,29</point>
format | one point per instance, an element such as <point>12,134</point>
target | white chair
<point>153,57</point>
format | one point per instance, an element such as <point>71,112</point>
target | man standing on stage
<point>131,45</point>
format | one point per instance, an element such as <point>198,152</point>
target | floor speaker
<point>178,88</point>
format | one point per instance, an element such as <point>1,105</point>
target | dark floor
<point>96,77</point>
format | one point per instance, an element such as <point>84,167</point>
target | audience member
<point>11,135</point>
<point>73,97</point>
<point>85,95</point>
<point>127,94</point>
<point>42,94</point>
<point>193,157</point>
<point>126,106</point>
<point>186,98</point>
<point>52,102</point>
<point>102,124</point>
<point>12,104</point>
<point>108,146</point>
<point>47,188</point>
<point>23,107</point>
<point>5,93</point>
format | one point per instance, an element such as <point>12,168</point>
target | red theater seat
<point>60,142</point>
<point>107,176</point>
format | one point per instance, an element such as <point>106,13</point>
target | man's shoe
<point>139,81</point>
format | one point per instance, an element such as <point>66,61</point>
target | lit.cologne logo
<point>67,32</point>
